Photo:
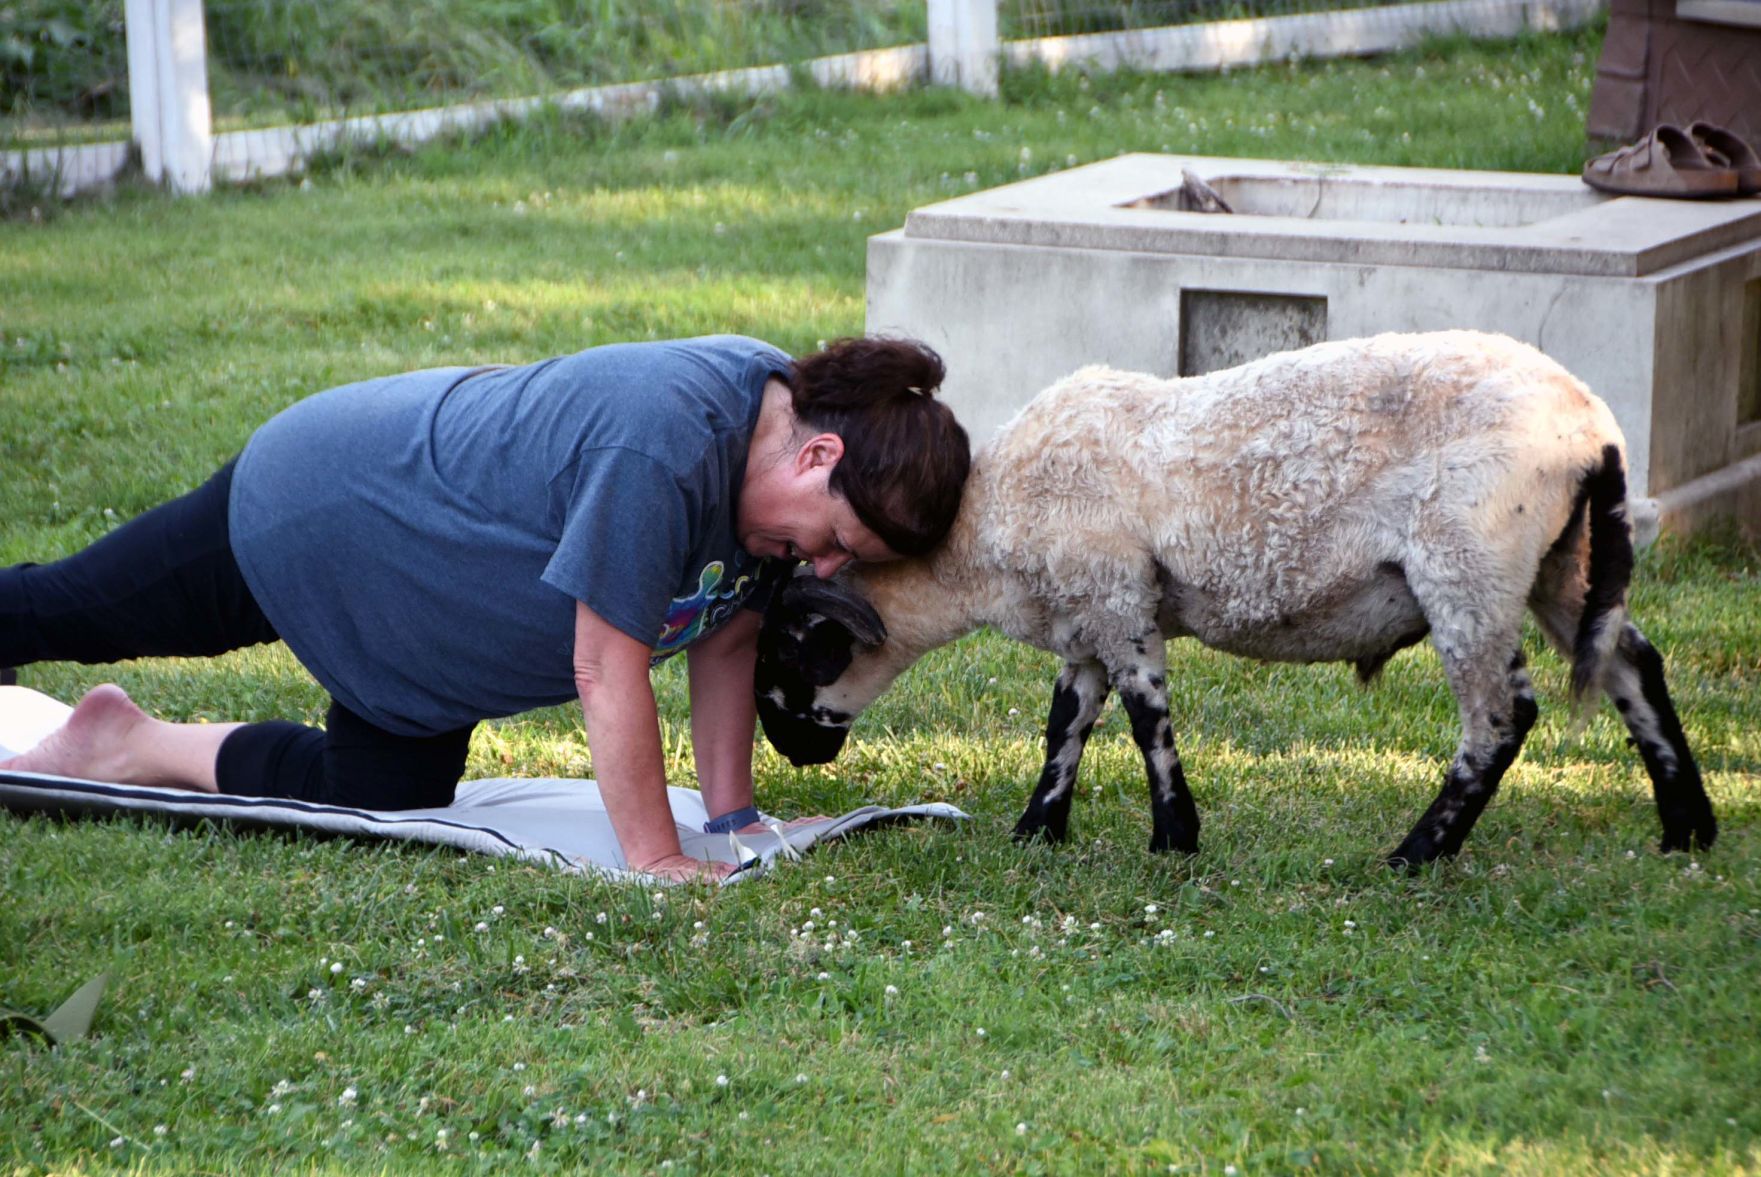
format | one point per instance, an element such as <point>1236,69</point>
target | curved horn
<point>836,601</point>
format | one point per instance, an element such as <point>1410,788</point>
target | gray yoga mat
<point>560,823</point>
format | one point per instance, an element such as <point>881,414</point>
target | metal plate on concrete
<point>1223,328</point>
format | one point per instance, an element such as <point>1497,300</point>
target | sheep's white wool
<point>1333,504</point>
<point>1261,509</point>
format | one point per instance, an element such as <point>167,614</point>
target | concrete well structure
<point>1656,304</point>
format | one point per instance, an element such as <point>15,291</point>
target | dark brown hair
<point>905,456</point>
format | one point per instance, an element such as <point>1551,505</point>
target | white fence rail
<point>172,124</point>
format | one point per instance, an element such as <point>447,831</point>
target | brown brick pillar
<point>1657,67</point>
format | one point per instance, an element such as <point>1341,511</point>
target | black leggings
<point>165,584</point>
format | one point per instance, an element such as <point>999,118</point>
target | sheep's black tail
<point>1610,571</point>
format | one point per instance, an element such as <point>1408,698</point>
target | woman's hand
<point>682,868</point>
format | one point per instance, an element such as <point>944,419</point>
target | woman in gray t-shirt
<point>447,546</point>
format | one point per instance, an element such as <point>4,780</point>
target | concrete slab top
<point>1318,212</point>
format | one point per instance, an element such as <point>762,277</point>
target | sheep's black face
<point>811,634</point>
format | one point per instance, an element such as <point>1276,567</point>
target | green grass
<point>1560,999</point>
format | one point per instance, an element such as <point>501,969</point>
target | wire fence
<point>1024,19</point>
<point>65,64</point>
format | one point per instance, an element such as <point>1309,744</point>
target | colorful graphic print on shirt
<point>689,618</point>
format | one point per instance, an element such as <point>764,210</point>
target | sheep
<point>1336,503</point>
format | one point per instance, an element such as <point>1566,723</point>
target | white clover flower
<point>1021,1129</point>
<point>1150,909</point>
<point>481,927</point>
<point>528,1091</point>
<point>825,976</point>
<point>600,918</point>
<point>981,1032</point>
<point>800,1079</point>
<point>816,913</point>
<point>1209,933</point>
<point>187,1074</point>
<point>160,1129</point>
<point>336,968</point>
<point>497,909</point>
<point>892,991</point>
<point>347,1098</point>
<point>721,1080</point>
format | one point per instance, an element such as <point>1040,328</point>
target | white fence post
<point>168,92</point>
<point>963,45</point>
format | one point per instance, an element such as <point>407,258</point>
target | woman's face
<point>788,510</point>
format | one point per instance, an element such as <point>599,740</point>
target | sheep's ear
<point>836,601</point>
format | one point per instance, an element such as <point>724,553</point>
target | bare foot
<point>97,743</point>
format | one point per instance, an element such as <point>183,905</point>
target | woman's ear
<point>822,449</point>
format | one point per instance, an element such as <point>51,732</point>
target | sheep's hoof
<point>1032,829</point>
<point>1696,833</point>
<point>1415,854</point>
<point>1173,842</point>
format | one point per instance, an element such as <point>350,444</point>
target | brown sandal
<point>1664,163</point>
<point>1721,145</point>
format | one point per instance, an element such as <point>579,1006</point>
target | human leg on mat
<point>166,584</point>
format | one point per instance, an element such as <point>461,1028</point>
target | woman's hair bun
<point>905,456</point>
<point>850,373</point>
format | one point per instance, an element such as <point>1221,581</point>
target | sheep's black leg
<point>1635,683</point>
<point>1144,691</point>
<point>1076,702</point>
<point>1497,713</point>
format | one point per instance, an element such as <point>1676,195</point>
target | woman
<point>447,546</point>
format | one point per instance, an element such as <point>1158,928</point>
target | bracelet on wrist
<point>732,820</point>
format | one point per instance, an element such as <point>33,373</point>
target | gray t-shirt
<point>420,541</point>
